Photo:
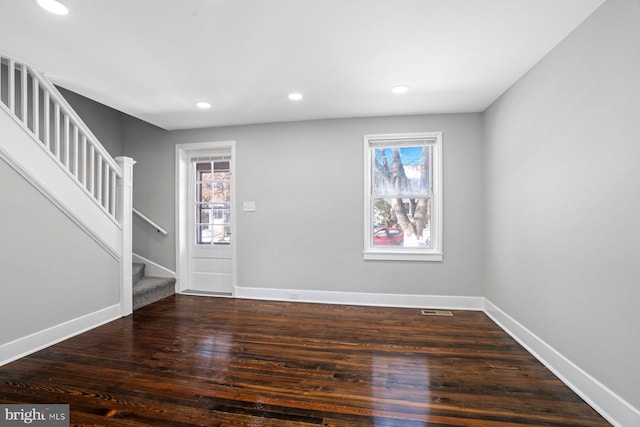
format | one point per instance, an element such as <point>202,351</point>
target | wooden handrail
<point>149,221</point>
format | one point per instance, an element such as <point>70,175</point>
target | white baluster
<point>47,120</point>
<point>107,187</point>
<point>36,107</point>
<point>76,157</point>
<point>66,142</point>
<point>12,86</point>
<point>83,175</point>
<point>92,172</point>
<point>114,189</point>
<point>56,129</point>
<point>98,193</point>
<point>24,95</point>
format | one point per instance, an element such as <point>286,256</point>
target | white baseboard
<point>154,269</point>
<point>37,341</point>
<point>361,298</point>
<point>611,406</point>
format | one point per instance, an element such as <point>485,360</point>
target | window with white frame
<point>403,197</point>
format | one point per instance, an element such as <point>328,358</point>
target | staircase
<point>147,290</point>
<point>45,140</point>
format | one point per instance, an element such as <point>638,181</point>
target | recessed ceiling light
<point>295,96</point>
<point>203,105</point>
<point>54,6</point>
<point>400,89</point>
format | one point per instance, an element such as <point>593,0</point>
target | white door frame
<point>183,153</point>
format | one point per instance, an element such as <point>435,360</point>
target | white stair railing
<point>30,97</point>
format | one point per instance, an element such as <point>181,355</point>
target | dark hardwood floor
<point>198,361</point>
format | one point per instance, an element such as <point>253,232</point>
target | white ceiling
<point>154,59</point>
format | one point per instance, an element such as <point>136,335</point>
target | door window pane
<point>221,192</point>
<point>213,202</point>
<point>203,234</point>
<point>203,192</point>
<point>221,234</point>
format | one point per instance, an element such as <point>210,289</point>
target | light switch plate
<point>249,206</point>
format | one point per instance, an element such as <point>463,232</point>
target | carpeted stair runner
<point>147,290</point>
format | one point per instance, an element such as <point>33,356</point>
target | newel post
<point>125,205</point>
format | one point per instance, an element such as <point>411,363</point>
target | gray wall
<point>562,198</point>
<point>153,189</point>
<point>307,181</point>
<point>114,130</point>
<point>52,272</point>
<point>104,122</point>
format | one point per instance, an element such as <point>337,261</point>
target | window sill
<point>422,256</point>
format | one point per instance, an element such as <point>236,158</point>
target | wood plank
<point>189,360</point>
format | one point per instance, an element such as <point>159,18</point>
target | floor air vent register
<point>428,312</point>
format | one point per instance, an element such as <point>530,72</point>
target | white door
<point>209,213</point>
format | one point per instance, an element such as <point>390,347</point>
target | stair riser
<point>138,272</point>
<point>142,297</point>
<point>147,290</point>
